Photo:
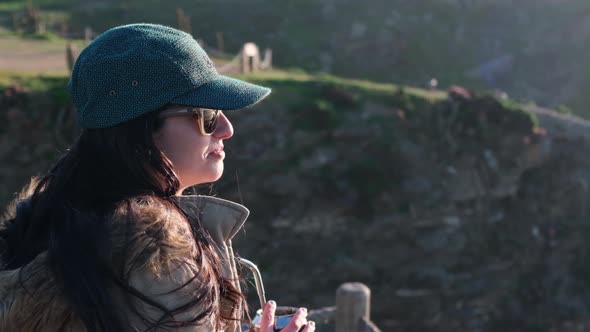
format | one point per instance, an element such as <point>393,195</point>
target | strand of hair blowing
<point>68,212</point>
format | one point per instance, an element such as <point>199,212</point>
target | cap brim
<point>224,93</point>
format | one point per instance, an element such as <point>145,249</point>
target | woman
<point>105,241</point>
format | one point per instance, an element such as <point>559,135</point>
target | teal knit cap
<point>135,69</point>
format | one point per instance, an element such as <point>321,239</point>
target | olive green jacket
<point>35,304</point>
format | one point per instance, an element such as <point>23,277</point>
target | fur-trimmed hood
<point>30,299</point>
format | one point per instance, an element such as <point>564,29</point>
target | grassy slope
<point>48,100</point>
<point>44,82</point>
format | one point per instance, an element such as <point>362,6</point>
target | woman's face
<point>196,158</point>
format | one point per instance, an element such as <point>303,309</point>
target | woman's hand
<point>297,323</point>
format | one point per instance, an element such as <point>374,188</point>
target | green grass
<point>274,76</point>
<point>11,6</point>
<point>53,84</point>
<point>33,81</point>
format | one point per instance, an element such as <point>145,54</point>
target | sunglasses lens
<point>209,118</point>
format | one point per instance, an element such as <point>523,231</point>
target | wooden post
<point>15,22</point>
<point>219,36</point>
<point>266,63</point>
<point>71,54</point>
<point>184,21</point>
<point>353,303</point>
<point>64,30</point>
<point>88,34</point>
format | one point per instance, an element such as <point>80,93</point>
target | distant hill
<point>532,49</point>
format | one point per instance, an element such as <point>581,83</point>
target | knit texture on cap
<point>135,69</point>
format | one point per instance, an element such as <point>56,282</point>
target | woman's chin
<point>207,175</point>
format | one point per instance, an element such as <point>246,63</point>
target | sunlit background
<point>434,150</point>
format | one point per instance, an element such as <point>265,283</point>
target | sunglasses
<point>206,118</point>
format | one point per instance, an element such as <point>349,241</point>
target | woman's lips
<point>218,154</point>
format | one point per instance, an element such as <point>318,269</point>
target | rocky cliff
<point>461,213</point>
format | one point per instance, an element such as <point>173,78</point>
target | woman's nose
<point>224,128</point>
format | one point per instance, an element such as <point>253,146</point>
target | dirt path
<point>41,56</point>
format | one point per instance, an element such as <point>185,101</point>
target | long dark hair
<point>68,217</point>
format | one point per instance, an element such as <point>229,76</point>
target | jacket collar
<point>220,217</point>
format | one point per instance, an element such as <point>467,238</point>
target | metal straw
<point>257,279</point>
